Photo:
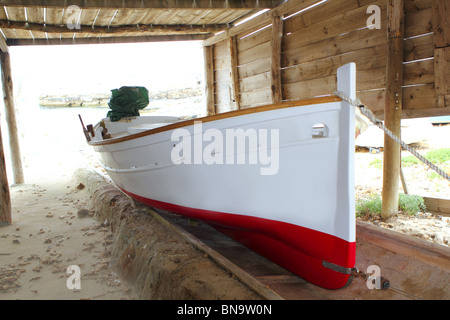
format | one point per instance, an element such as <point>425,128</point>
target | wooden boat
<point>298,213</point>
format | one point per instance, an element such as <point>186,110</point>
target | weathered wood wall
<point>317,41</point>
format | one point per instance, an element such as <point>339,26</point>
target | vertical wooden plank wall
<point>254,69</point>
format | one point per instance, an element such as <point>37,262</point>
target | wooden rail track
<point>416,269</point>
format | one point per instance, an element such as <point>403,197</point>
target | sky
<point>100,68</point>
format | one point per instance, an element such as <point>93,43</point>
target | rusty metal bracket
<point>336,267</point>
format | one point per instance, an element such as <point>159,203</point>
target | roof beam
<point>148,4</point>
<point>157,28</point>
<point>105,40</point>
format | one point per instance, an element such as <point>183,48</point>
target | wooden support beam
<point>5,200</point>
<point>441,76</point>
<point>275,74</point>
<point>157,28</point>
<point>393,107</point>
<point>147,4</point>
<point>11,118</point>
<point>234,72</point>
<point>441,23</point>
<point>105,40</point>
<point>209,80</point>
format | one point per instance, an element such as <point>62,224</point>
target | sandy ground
<point>47,234</point>
<point>52,229</point>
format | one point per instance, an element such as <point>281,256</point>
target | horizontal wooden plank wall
<point>324,38</point>
<point>254,56</point>
<point>319,40</point>
<point>224,86</point>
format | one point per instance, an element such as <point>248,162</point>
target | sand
<point>47,236</point>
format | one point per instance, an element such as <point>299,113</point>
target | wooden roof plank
<point>121,16</point>
<point>104,17</point>
<point>18,14</point>
<point>7,33</point>
<point>194,16</point>
<point>54,16</point>
<point>149,4</point>
<point>35,15</point>
<point>136,16</point>
<point>88,17</point>
<point>228,16</point>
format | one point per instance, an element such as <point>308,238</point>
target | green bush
<point>369,206</point>
<point>438,156</point>
<point>376,163</point>
<point>409,204</point>
<point>409,160</point>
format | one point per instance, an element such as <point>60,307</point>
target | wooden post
<point>5,199</point>
<point>209,79</point>
<point>393,107</point>
<point>11,118</point>
<point>441,23</point>
<point>277,36</point>
<point>441,28</point>
<point>234,72</point>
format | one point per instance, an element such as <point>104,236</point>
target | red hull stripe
<point>298,249</point>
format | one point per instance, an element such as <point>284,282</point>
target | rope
<point>377,122</point>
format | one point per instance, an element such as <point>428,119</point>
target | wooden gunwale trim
<point>225,115</point>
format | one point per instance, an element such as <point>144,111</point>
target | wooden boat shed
<point>290,51</point>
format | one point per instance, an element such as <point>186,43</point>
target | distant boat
<point>440,120</point>
<point>66,101</point>
<point>102,99</point>
<point>289,196</point>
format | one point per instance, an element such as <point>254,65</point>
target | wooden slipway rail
<point>416,269</point>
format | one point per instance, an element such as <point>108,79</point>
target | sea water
<point>52,141</point>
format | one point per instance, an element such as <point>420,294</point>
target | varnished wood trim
<point>225,115</point>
